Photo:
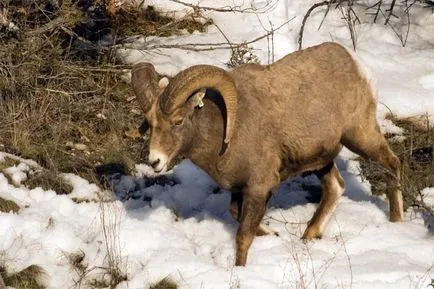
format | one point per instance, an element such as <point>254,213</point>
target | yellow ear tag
<point>199,99</point>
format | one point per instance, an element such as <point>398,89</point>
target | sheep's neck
<point>208,137</point>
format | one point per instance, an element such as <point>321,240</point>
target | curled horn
<point>196,77</point>
<point>144,80</point>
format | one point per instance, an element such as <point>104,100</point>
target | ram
<point>255,126</point>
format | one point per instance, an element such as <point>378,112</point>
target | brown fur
<point>292,117</point>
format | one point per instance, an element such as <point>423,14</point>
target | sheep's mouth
<point>171,163</point>
<point>162,170</point>
<point>165,163</point>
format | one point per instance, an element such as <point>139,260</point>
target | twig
<point>266,8</point>
<point>206,46</point>
<point>325,15</point>
<point>344,245</point>
<point>75,35</point>
<point>378,10</point>
<point>350,22</point>
<point>224,35</point>
<point>72,93</point>
<point>401,37</point>
<point>306,16</point>
<point>392,5</point>
<point>388,108</point>
<point>272,43</point>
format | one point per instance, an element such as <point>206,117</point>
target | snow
<point>179,226</point>
<point>428,196</point>
<point>185,232</point>
<point>82,190</point>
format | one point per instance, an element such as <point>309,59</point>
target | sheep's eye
<point>178,122</point>
<point>144,127</point>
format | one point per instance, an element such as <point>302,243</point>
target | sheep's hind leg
<point>333,186</point>
<point>371,144</point>
<point>236,205</point>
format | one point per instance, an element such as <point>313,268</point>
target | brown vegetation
<point>7,206</point>
<point>165,283</point>
<point>64,99</point>
<point>28,278</point>
<point>415,150</point>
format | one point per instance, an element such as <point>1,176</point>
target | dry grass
<point>165,283</point>
<point>28,278</point>
<point>45,118</point>
<point>150,22</point>
<point>49,180</point>
<point>7,163</point>
<point>63,100</point>
<point>7,206</point>
<point>416,154</point>
<point>97,283</point>
<point>46,179</point>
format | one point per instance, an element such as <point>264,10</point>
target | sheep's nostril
<point>155,163</point>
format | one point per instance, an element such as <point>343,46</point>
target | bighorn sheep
<point>257,125</point>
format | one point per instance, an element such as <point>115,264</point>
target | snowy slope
<point>185,231</point>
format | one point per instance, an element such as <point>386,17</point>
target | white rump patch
<point>363,71</point>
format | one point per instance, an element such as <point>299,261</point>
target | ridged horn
<point>190,80</point>
<point>144,80</point>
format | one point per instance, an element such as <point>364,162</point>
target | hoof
<point>264,231</point>
<point>396,218</point>
<point>311,233</point>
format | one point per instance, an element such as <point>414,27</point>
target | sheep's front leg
<point>235,209</point>
<point>252,212</point>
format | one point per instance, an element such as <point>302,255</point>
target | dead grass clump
<point>165,283</point>
<point>148,21</point>
<point>7,163</point>
<point>241,55</point>
<point>29,278</point>
<point>99,283</point>
<point>416,154</point>
<point>49,180</point>
<point>7,206</point>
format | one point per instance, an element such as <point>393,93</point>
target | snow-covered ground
<point>184,230</point>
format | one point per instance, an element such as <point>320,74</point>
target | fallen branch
<point>238,9</point>
<point>206,46</point>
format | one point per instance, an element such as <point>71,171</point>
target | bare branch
<point>207,46</point>
<point>306,16</point>
<point>269,5</point>
<point>378,5</point>
<point>392,5</point>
